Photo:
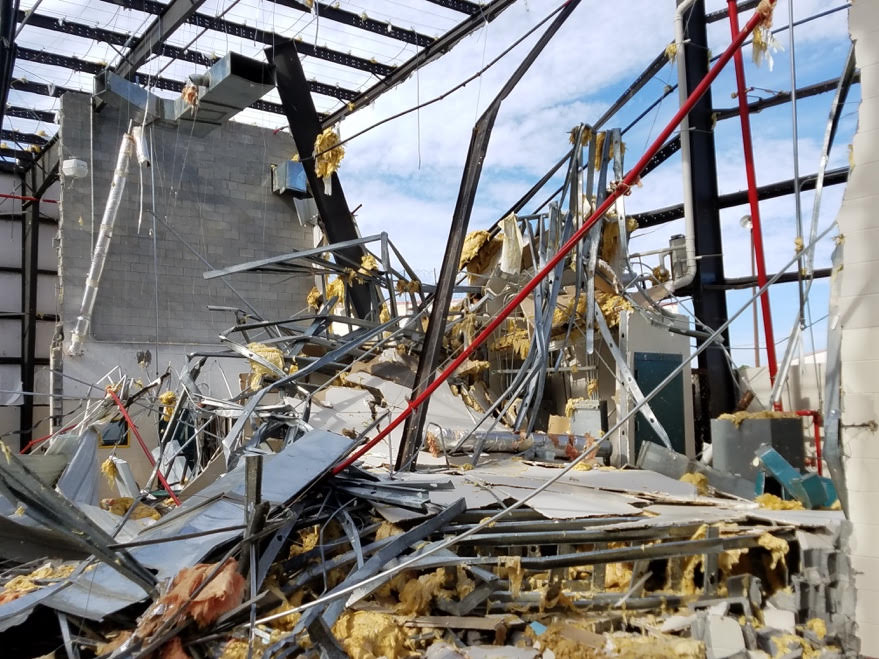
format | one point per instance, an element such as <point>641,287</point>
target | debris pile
<point>519,526</point>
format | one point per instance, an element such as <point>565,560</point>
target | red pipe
<point>39,440</point>
<point>756,230</point>
<point>143,445</point>
<point>816,423</point>
<point>623,187</point>
<point>25,198</point>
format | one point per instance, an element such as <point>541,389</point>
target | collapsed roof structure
<point>514,460</point>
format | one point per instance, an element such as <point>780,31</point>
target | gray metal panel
<point>733,448</point>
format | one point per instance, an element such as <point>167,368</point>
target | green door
<point>651,368</point>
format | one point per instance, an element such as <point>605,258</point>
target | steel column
<point>305,126</point>
<point>436,327</point>
<point>716,385</point>
<point>30,225</point>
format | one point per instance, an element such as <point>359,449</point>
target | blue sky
<point>594,57</point>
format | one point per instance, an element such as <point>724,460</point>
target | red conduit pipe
<point>39,440</point>
<point>753,201</point>
<point>26,198</point>
<point>622,187</point>
<point>140,441</point>
<point>816,423</point>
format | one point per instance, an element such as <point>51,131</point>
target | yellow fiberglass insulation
<point>571,405</point>
<point>738,417</point>
<point>471,367</point>
<point>818,627</point>
<point>656,646</point>
<point>610,238</point>
<point>328,156</point>
<point>168,399</point>
<point>700,481</point>
<point>517,340</point>
<point>369,635</point>
<point>417,594</point>
<point>108,468</point>
<point>511,568</point>
<point>26,583</point>
<point>773,502</point>
<point>611,306</point>
<point>313,299</point>
<point>688,567</point>
<point>270,354</point>
<point>472,244</point>
<point>404,286</point>
<point>776,546</point>
<point>336,289</point>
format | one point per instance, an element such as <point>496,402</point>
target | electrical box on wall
<point>289,178</point>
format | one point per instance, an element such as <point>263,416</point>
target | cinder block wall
<point>859,320</point>
<point>216,193</point>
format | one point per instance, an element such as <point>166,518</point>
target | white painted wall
<point>859,319</point>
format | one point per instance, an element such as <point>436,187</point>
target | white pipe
<point>102,246</point>
<point>689,215</point>
<point>660,291</point>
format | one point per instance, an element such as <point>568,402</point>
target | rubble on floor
<point>518,528</point>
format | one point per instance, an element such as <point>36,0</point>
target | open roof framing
<point>160,40</point>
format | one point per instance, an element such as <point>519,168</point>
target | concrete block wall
<point>216,193</point>
<point>859,320</point>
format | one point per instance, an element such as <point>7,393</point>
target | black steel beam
<point>16,361</point>
<point>362,21</point>
<point>784,97</point>
<point>736,283</point>
<point>76,29</point>
<point>30,113</point>
<point>485,14</point>
<point>249,33</point>
<point>768,191</point>
<point>428,360</point>
<point>8,9</point>
<point>94,68</point>
<point>717,390</point>
<point>24,156</point>
<point>29,275</point>
<point>324,11</point>
<point>721,14</point>
<point>336,218</point>
<point>173,15</point>
<point>674,144</point>
<point>304,48</point>
<point>55,91</point>
<point>23,138</point>
<point>463,6</point>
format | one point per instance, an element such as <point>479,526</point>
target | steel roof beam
<point>463,6</point>
<point>24,156</point>
<point>24,85</point>
<point>23,138</point>
<point>30,113</point>
<point>173,15</point>
<point>217,24</point>
<point>487,13</point>
<point>76,64</point>
<point>360,21</point>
